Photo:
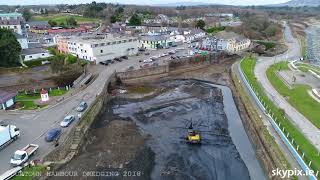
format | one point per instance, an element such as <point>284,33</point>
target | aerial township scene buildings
<point>159,90</point>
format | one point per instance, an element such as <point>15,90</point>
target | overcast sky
<point>149,2</point>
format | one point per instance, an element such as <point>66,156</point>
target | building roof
<point>56,31</point>
<point>229,35</point>
<point>154,38</point>
<point>43,91</point>
<point>10,14</point>
<point>31,51</point>
<point>5,96</point>
<point>99,38</point>
<point>11,22</point>
<point>19,36</point>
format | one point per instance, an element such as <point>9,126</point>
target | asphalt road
<point>311,132</point>
<point>33,125</point>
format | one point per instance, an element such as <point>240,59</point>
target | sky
<point>143,2</point>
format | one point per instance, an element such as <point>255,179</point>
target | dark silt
<point>146,138</point>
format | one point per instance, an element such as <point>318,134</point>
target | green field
<point>306,67</point>
<point>247,66</point>
<point>298,96</point>
<point>59,18</point>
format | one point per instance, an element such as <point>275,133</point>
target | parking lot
<point>157,57</point>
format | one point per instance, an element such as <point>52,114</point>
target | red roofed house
<point>67,31</point>
<point>7,99</point>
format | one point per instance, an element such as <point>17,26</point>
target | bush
<point>37,62</point>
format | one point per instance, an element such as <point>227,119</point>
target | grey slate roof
<point>31,51</point>
<point>5,96</point>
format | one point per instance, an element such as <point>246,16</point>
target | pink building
<point>62,44</point>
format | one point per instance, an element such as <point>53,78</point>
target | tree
<point>26,14</point>
<point>10,49</point>
<point>113,19</point>
<point>70,59</point>
<point>135,20</point>
<point>52,23</point>
<point>71,21</point>
<point>200,24</point>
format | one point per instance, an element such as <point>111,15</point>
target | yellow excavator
<point>193,136</point>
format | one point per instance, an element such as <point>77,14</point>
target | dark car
<point>117,59</point>
<point>109,61</point>
<point>53,134</point>
<point>147,53</point>
<point>124,57</point>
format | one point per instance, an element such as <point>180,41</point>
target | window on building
<point>42,54</point>
<point>85,51</point>
<point>81,44</point>
<point>30,56</point>
<point>101,51</point>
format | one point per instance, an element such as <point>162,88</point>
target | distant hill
<point>187,3</point>
<point>297,3</point>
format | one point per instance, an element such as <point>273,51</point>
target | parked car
<point>130,68</point>
<point>104,63</point>
<point>109,61</point>
<point>142,49</point>
<point>67,121</point>
<point>82,106</point>
<point>118,59</point>
<point>53,134</point>
<point>124,57</point>
<point>147,60</point>
<point>174,45</point>
<point>147,53</point>
<point>146,65</point>
<point>154,58</point>
<point>171,52</point>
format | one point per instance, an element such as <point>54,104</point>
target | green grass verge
<point>306,67</point>
<point>298,96</point>
<point>267,44</point>
<point>27,100</point>
<point>311,153</point>
<point>212,30</point>
<point>59,18</point>
<point>273,149</point>
<point>29,173</point>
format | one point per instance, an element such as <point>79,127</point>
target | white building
<point>101,48</point>
<point>22,41</point>
<point>13,21</point>
<point>232,42</point>
<point>35,53</point>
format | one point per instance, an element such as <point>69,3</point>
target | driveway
<point>311,132</point>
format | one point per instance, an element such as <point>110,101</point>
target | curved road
<point>311,132</point>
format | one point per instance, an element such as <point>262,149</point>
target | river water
<point>146,137</point>
<point>313,44</point>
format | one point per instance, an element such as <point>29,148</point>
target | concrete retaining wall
<point>70,147</point>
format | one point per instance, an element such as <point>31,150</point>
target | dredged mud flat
<point>144,138</point>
